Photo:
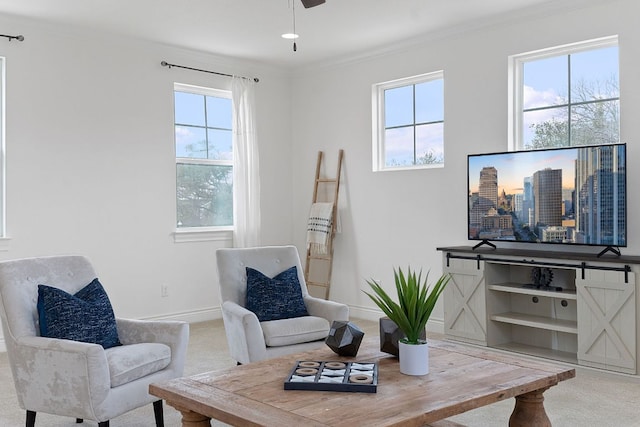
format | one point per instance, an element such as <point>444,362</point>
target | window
<point>204,157</point>
<point>408,123</point>
<point>566,96</point>
<point>3,228</point>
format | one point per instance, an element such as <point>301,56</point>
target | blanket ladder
<point>318,267</point>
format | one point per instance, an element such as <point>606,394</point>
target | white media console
<point>573,307</point>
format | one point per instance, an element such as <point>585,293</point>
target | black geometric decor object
<point>390,334</point>
<point>344,338</point>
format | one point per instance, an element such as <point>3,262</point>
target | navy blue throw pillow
<point>276,298</point>
<point>86,316</point>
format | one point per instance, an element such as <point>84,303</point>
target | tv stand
<point>615,251</point>
<point>485,242</point>
<point>586,314</point>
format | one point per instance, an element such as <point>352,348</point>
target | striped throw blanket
<point>319,227</point>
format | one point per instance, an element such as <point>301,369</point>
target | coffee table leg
<point>529,410</point>
<point>192,419</point>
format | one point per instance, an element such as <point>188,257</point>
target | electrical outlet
<point>164,290</point>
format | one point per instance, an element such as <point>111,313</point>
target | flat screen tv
<point>570,196</point>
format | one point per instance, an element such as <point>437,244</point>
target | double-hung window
<point>3,229</point>
<point>204,157</point>
<point>408,123</point>
<point>566,96</point>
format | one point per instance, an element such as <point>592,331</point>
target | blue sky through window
<point>200,138</point>
<point>594,73</point>
<point>413,122</point>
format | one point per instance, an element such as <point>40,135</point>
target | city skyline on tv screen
<point>572,195</point>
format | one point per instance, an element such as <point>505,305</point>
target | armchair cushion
<point>275,298</point>
<point>86,316</point>
<point>283,332</point>
<point>130,362</point>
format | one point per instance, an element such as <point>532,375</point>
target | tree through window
<point>204,157</point>
<point>568,96</point>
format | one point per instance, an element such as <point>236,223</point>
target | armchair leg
<point>79,420</point>
<point>158,413</point>
<point>104,424</point>
<point>31,419</point>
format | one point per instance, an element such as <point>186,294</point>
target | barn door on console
<point>465,313</point>
<point>607,320</point>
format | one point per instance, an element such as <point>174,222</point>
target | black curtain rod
<point>166,64</point>
<point>19,38</point>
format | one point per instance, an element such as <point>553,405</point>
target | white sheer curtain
<point>246,170</point>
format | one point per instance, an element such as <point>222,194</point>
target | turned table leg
<point>192,419</point>
<point>529,410</point>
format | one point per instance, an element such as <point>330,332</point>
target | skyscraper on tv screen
<point>600,196</point>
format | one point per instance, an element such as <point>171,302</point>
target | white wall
<point>91,162</point>
<point>399,218</point>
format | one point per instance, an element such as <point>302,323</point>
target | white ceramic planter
<point>414,358</point>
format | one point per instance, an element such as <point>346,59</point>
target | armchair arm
<point>330,310</point>
<point>244,333</point>
<point>60,376</point>
<point>175,334</point>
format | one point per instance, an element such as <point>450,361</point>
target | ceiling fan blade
<point>311,3</point>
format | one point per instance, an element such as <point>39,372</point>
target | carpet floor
<point>593,398</point>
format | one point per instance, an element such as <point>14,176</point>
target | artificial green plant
<point>415,301</point>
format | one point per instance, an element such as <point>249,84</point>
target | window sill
<point>409,168</point>
<point>203,234</point>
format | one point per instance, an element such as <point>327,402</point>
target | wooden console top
<point>539,253</point>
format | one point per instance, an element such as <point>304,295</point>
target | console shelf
<point>539,322</point>
<point>520,289</point>
<point>562,356</point>
<point>591,321</point>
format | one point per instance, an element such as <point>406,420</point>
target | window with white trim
<point>204,157</point>
<point>3,227</point>
<point>566,96</point>
<point>408,123</point>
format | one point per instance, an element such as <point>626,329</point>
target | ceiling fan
<point>311,3</point>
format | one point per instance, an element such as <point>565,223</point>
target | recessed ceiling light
<point>290,36</point>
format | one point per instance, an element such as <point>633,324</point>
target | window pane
<point>204,195</point>
<point>219,112</point>
<point>430,101</point>
<point>595,123</point>
<point>189,109</point>
<point>191,142</point>
<point>220,144</point>
<point>398,147</point>
<point>429,144</point>
<point>545,82</point>
<point>594,74</point>
<point>545,128</point>
<point>587,114</point>
<point>398,106</point>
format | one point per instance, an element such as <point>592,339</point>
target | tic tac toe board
<point>333,376</point>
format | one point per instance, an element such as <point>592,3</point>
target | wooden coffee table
<point>461,378</point>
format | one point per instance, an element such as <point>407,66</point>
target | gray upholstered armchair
<point>79,379</point>
<point>251,340</point>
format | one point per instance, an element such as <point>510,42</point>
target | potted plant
<point>410,313</point>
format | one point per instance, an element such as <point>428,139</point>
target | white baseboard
<point>214,313</point>
<point>202,315</point>
<point>434,325</point>
<point>195,316</point>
